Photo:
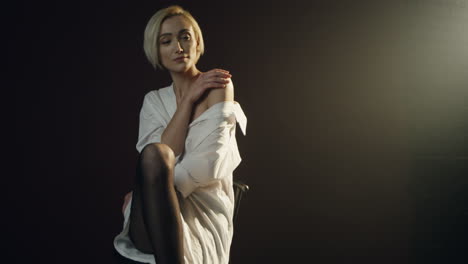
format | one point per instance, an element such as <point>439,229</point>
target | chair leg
<point>239,189</point>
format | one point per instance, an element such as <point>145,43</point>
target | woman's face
<point>177,39</point>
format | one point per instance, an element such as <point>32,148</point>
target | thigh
<point>137,232</point>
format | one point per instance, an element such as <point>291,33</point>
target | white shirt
<point>202,174</point>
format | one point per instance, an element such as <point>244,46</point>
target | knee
<point>159,153</point>
<point>156,164</point>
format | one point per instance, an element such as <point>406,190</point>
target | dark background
<point>357,138</point>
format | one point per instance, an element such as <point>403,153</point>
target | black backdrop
<point>356,148</point>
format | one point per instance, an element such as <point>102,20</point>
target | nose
<point>179,48</point>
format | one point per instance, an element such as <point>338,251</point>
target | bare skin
<point>155,221</point>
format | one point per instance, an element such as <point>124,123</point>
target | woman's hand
<point>126,201</point>
<point>216,78</point>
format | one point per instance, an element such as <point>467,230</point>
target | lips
<point>179,58</point>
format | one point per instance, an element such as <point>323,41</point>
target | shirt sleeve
<point>214,156</point>
<point>151,126</point>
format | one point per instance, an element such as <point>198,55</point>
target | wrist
<point>186,101</point>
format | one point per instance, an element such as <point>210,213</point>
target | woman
<point>181,208</point>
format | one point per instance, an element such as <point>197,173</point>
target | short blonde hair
<point>153,28</point>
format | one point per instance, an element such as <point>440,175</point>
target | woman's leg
<point>155,223</point>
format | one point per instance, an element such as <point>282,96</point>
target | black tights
<point>155,223</point>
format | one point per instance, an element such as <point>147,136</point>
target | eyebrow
<point>180,31</point>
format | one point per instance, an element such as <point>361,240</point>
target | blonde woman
<point>181,207</point>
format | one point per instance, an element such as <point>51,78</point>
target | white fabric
<point>202,174</point>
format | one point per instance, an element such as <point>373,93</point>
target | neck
<point>182,81</point>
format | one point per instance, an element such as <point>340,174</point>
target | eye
<point>186,36</point>
<point>165,42</point>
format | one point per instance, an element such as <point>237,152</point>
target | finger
<point>217,85</point>
<point>213,84</point>
<point>220,74</point>
<point>218,77</point>
<point>216,81</point>
<point>220,80</point>
<point>216,69</point>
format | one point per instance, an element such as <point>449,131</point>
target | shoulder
<point>148,100</point>
<point>217,95</point>
<point>149,95</point>
<point>153,101</point>
<point>155,96</point>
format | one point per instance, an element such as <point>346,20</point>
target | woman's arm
<point>175,133</point>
